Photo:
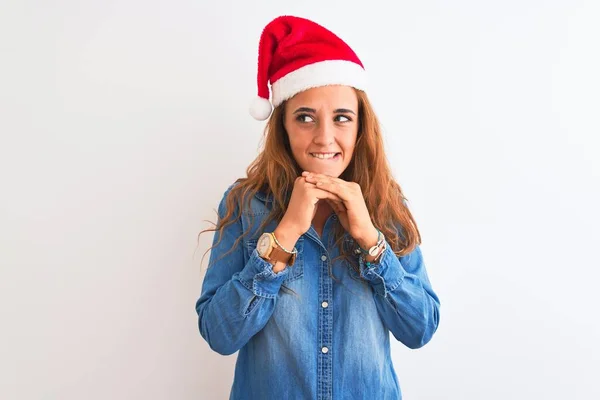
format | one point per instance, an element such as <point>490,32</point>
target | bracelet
<point>370,264</point>
<point>379,241</point>
<point>295,251</point>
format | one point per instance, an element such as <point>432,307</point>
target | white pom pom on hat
<point>295,54</point>
<point>261,109</point>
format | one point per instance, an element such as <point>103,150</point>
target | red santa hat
<point>295,54</point>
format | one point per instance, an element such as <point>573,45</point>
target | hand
<point>348,204</point>
<point>303,205</point>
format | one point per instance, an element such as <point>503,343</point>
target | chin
<point>325,171</point>
<point>319,167</point>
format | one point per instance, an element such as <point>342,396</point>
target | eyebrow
<point>312,110</point>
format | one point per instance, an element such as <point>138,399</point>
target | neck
<point>324,210</point>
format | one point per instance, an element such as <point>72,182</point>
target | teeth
<point>324,156</point>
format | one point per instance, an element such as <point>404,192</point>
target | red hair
<point>275,169</point>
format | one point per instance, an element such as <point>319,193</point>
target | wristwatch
<point>268,250</point>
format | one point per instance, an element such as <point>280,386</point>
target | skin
<point>324,120</point>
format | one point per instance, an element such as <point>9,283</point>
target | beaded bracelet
<point>375,261</point>
<point>294,251</point>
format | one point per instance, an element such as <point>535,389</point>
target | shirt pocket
<point>297,269</point>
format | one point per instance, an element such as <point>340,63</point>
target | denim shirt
<point>332,339</point>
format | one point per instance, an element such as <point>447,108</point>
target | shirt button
<point>323,258</point>
<point>324,350</point>
<point>324,304</point>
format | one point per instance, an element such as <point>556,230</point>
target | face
<point>322,126</point>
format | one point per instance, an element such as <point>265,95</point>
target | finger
<point>327,183</point>
<point>336,204</point>
<point>318,178</point>
<point>334,188</point>
<point>325,194</point>
<point>314,176</point>
<point>335,198</point>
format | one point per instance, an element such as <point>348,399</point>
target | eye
<point>301,117</point>
<point>348,119</point>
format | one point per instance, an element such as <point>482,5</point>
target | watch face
<point>263,244</point>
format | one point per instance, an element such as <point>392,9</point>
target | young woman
<point>315,256</point>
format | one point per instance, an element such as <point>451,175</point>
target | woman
<point>315,257</point>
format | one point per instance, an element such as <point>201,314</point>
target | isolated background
<point>123,122</point>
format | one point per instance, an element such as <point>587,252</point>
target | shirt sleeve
<point>237,297</point>
<point>404,297</point>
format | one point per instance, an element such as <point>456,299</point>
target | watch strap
<point>278,254</point>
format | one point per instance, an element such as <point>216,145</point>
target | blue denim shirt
<point>332,339</point>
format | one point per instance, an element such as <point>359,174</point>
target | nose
<point>324,134</point>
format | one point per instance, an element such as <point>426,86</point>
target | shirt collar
<point>263,197</point>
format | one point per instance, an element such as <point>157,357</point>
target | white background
<point>123,122</point>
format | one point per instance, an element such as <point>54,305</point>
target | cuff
<point>385,275</point>
<point>258,276</point>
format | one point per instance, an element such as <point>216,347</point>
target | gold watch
<point>268,250</point>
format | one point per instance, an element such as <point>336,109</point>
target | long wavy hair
<point>274,171</point>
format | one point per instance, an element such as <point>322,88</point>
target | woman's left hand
<point>352,210</point>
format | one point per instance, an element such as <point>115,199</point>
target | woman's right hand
<point>303,206</point>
